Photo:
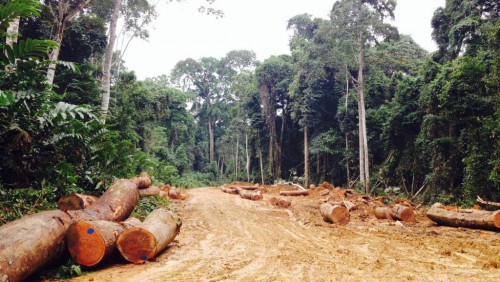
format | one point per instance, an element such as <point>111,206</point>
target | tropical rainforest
<point>355,103</point>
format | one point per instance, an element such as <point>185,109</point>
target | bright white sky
<point>182,32</point>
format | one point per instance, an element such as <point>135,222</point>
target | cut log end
<point>85,244</point>
<point>496,219</point>
<point>137,245</point>
<point>335,214</point>
<point>403,213</point>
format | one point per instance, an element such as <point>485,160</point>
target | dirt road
<point>227,238</point>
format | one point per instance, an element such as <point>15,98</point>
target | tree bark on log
<point>403,213</point>
<point>250,195</point>
<point>383,213</point>
<point>229,190</point>
<point>252,188</point>
<point>335,214</point>
<point>469,219</point>
<point>150,191</point>
<point>282,203</point>
<point>295,193</point>
<point>487,205</point>
<point>138,244</point>
<point>89,242</point>
<point>142,181</point>
<point>30,242</point>
<point>75,201</point>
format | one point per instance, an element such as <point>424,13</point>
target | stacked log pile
<point>31,242</point>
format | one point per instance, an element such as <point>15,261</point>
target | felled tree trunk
<point>30,242</point>
<point>403,213</point>
<point>229,190</point>
<point>252,188</point>
<point>142,181</point>
<point>75,201</point>
<point>282,203</point>
<point>383,213</point>
<point>89,242</point>
<point>150,191</point>
<point>138,244</point>
<point>295,193</point>
<point>335,214</point>
<point>487,205</point>
<point>250,195</point>
<point>471,219</point>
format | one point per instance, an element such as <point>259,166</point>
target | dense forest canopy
<point>355,103</point>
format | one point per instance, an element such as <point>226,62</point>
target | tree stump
<point>403,213</point>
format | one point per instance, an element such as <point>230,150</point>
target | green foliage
<point>147,204</point>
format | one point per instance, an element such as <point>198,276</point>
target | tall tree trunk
<point>347,158</point>
<point>54,55</point>
<point>237,153</point>
<point>108,57</point>
<point>261,167</point>
<point>12,32</point>
<point>211,137</point>
<point>306,158</point>
<point>64,15</point>
<point>361,93</point>
<point>247,166</point>
<point>346,133</point>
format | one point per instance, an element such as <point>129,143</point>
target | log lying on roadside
<point>89,242</point>
<point>247,187</point>
<point>383,213</point>
<point>335,213</point>
<point>229,190</point>
<point>487,205</point>
<point>403,213</point>
<point>142,181</point>
<point>465,218</point>
<point>282,203</point>
<point>27,244</point>
<point>150,191</point>
<point>250,195</point>
<point>138,244</point>
<point>295,193</point>
<point>75,201</point>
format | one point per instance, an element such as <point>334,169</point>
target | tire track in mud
<point>227,238</point>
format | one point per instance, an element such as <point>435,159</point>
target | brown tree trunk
<point>230,190</point>
<point>89,242</point>
<point>250,195</point>
<point>75,201</point>
<point>403,213</point>
<point>491,206</point>
<point>29,243</point>
<point>282,203</point>
<point>108,57</point>
<point>261,167</point>
<point>146,241</point>
<point>295,193</point>
<point>470,219</point>
<point>335,214</point>
<point>150,191</point>
<point>383,213</point>
<point>142,181</point>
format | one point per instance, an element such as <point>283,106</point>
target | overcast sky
<point>181,32</point>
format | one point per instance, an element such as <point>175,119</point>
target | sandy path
<point>224,237</point>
